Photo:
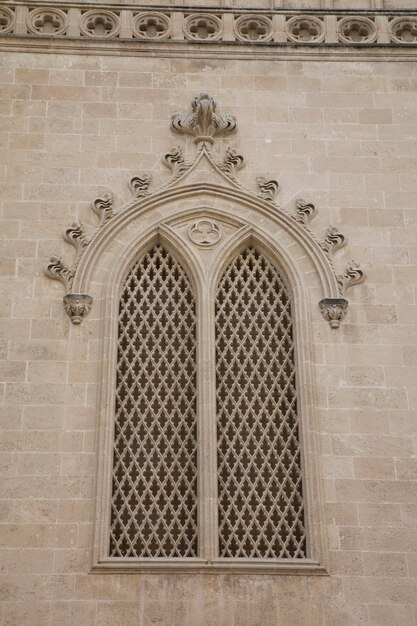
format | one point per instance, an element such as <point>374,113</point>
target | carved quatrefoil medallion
<point>99,24</point>
<point>253,28</point>
<point>203,27</point>
<point>305,29</point>
<point>151,25</point>
<point>356,30</point>
<point>47,22</point>
<point>205,233</point>
<point>7,20</point>
<point>403,29</point>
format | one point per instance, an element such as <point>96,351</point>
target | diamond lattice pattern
<point>259,474</point>
<point>154,501</point>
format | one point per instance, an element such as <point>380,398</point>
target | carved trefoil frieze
<point>202,230</point>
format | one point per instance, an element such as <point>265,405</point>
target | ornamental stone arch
<point>204,216</point>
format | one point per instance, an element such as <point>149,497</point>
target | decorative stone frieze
<point>403,30</point>
<point>305,29</point>
<point>77,306</point>
<point>100,24</point>
<point>264,33</point>
<point>151,26</point>
<point>356,30</point>
<point>202,27</point>
<point>204,123</point>
<point>253,28</point>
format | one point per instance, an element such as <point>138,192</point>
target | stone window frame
<point>248,231</point>
<point>205,188</point>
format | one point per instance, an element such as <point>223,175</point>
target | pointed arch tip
<point>205,124</point>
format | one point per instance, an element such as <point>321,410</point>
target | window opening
<point>260,501</point>
<point>154,496</point>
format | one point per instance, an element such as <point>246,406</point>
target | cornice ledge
<point>132,28</point>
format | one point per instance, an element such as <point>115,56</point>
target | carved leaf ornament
<point>205,124</point>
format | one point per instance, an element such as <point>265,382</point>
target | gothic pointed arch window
<point>195,481</point>
<point>260,500</point>
<point>207,438</point>
<point>154,495</point>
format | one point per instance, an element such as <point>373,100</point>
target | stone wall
<point>339,133</point>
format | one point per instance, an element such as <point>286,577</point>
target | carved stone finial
<point>232,163</point>
<point>103,207</point>
<point>333,240</point>
<point>333,310</point>
<point>58,270</point>
<point>204,123</point>
<point>77,306</point>
<point>305,212</point>
<point>353,275</point>
<point>139,185</point>
<point>268,189</point>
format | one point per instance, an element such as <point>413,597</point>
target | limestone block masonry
<point>324,96</point>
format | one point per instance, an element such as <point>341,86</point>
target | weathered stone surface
<point>76,127</point>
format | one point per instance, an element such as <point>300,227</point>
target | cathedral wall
<point>338,133</point>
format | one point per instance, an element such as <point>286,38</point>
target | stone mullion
<point>206,434</point>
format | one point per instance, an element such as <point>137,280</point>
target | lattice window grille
<point>260,499</point>
<point>154,495</point>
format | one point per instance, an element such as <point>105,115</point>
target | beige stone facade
<point>335,125</point>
